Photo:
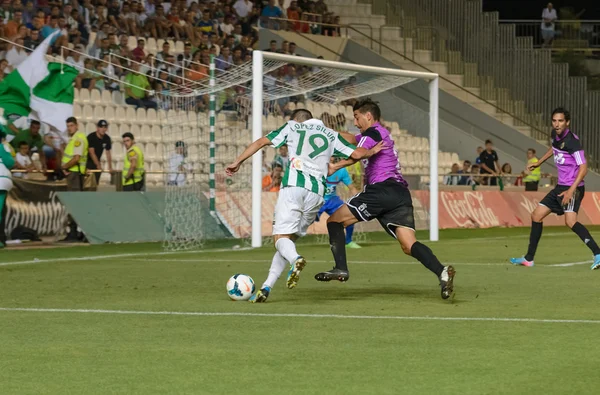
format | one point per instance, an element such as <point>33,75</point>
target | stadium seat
<point>90,127</point>
<point>98,113</point>
<point>300,105</point>
<point>178,47</point>
<point>107,99</point>
<point>84,96</point>
<point>120,115</point>
<point>131,114</point>
<point>132,42</point>
<point>145,133</point>
<point>109,115</point>
<point>95,97</point>
<point>88,113</point>
<point>77,111</point>
<point>76,95</point>
<point>151,45</point>
<point>137,134</point>
<point>156,134</point>
<point>118,98</point>
<point>150,116</point>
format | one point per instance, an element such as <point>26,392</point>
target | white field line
<point>299,315</point>
<point>351,262</point>
<point>124,255</point>
<point>148,254</point>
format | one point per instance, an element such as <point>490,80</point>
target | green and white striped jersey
<point>310,147</point>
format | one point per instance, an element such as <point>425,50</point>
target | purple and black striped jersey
<point>568,156</point>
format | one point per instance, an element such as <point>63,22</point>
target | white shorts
<point>295,211</point>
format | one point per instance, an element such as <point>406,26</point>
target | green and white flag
<point>40,87</point>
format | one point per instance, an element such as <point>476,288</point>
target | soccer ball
<point>240,287</point>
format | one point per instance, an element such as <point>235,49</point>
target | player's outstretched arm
<point>544,158</point>
<point>358,154</point>
<point>248,152</point>
<point>349,137</point>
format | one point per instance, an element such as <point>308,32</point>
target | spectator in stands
<point>32,40</point>
<point>271,11</point>
<point>178,167</point>
<point>489,164</point>
<point>74,59</point>
<point>531,178</point>
<point>23,161</point>
<point>272,182</point>
<point>138,52</point>
<point>506,172</point>
<point>99,141</point>
<point>16,54</point>
<point>464,180</point>
<point>32,138</point>
<point>226,27</point>
<point>89,77</point>
<point>12,26</point>
<point>162,55</point>
<point>320,7</point>
<point>285,47</point>
<point>548,18</point>
<point>475,179</point>
<point>137,89</point>
<point>292,49</point>
<point>224,61</point>
<point>185,59</point>
<point>206,24</point>
<point>243,8</point>
<point>452,178</point>
<point>478,159</point>
<point>293,13</point>
<point>282,157</point>
<point>272,46</point>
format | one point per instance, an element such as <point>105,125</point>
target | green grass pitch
<point>116,327</point>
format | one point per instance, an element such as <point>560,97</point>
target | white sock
<point>278,265</point>
<point>287,249</point>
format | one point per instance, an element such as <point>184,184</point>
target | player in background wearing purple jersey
<point>385,197</point>
<point>566,197</point>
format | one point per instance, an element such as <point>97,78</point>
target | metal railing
<point>563,34</point>
<point>438,54</point>
<point>507,67</point>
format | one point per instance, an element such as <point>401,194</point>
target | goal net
<point>205,124</point>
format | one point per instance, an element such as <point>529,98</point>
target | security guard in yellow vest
<point>133,166</point>
<point>75,156</point>
<point>532,179</point>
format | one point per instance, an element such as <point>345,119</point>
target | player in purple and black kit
<point>385,197</point>
<point>566,197</point>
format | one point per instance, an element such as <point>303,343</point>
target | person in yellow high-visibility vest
<point>75,156</point>
<point>133,166</point>
<point>532,178</point>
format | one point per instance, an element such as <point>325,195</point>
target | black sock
<point>534,239</point>
<point>586,237</point>
<point>424,255</point>
<point>337,242</point>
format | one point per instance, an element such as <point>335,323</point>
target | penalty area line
<point>297,315</point>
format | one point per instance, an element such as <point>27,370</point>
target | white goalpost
<point>386,78</point>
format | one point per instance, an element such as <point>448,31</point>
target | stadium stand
<point>112,52</point>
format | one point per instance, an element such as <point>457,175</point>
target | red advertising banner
<point>457,209</point>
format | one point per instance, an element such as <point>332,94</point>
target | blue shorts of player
<point>331,206</point>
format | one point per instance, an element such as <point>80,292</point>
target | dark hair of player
<point>532,150</point>
<point>301,115</point>
<point>565,112</point>
<point>72,120</point>
<point>23,143</point>
<point>368,105</point>
<point>488,142</point>
<point>34,122</point>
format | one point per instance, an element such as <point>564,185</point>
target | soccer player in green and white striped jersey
<point>311,145</point>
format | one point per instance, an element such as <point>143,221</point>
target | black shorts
<point>554,202</point>
<point>389,202</point>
